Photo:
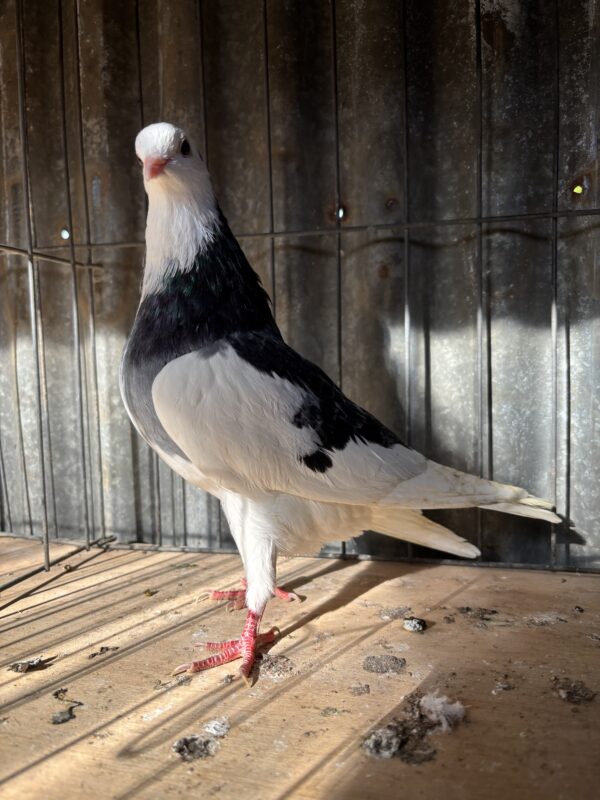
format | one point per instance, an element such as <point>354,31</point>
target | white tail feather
<point>524,509</point>
<point>412,526</point>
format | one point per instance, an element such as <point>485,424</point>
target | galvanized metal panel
<point>517,259</point>
<point>443,109</point>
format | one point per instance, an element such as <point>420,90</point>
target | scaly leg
<point>237,597</point>
<point>245,648</point>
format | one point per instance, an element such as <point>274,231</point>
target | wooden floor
<point>297,734</point>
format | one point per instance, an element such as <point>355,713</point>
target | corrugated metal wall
<point>429,172</point>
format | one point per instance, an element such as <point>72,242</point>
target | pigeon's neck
<point>181,224</point>
<point>219,295</point>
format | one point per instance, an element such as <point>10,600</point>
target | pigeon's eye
<point>139,160</point>
<point>185,148</point>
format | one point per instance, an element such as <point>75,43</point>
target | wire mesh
<point>156,506</point>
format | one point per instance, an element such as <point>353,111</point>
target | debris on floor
<point>189,748</point>
<point>541,620</point>
<point>575,692</point>
<point>361,688</point>
<point>331,711</point>
<point>449,618</point>
<point>388,614</point>
<point>227,680</point>
<point>414,625</point>
<point>407,737</point>
<point>104,649</point>
<point>179,680</point>
<point>68,713</point>
<point>31,664</point>
<point>384,664</point>
<point>483,614</point>
<point>578,610</point>
<point>218,727</point>
<point>151,592</point>
<point>276,668</point>
<point>502,685</point>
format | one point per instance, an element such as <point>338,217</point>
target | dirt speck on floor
<point>407,737</point>
<point>503,685</point>
<point>575,692</point>
<point>361,688</point>
<point>330,711</point>
<point>227,680</point>
<point>63,716</point>
<point>189,748</point>
<point>483,614</point>
<point>543,619</point>
<point>388,614</point>
<point>449,619</point>
<point>180,680</point>
<point>106,648</point>
<point>384,664</point>
<point>276,668</point>
<point>578,610</point>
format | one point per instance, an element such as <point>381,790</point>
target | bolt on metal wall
<point>416,184</point>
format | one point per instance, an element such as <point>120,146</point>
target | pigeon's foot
<point>237,597</point>
<point>245,648</point>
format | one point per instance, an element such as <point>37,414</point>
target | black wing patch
<point>335,419</point>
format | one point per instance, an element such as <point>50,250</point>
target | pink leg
<point>244,648</point>
<point>237,597</point>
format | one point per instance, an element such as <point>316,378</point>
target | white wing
<point>251,429</point>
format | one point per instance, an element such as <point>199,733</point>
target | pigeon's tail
<point>412,526</point>
<point>528,506</point>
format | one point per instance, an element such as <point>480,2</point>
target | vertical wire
<point>211,500</point>
<point>6,515</point>
<point>90,278</point>
<point>74,286</point>
<point>154,461</point>
<point>337,205</point>
<point>555,298</point>
<point>267,91</point>
<point>407,308</point>
<point>31,269</point>
<point>484,428</point>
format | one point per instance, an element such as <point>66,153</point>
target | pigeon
<point>209,382</point>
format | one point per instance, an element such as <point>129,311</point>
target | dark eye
<point>140,162</point>
<point>185,148</point>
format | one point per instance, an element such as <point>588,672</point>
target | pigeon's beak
<point>154,167</point>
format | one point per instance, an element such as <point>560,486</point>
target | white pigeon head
<point>168,157</point>
<point>182,210</point>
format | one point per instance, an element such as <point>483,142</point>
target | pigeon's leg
<point>260,576</point>
<point>245,648</point>
<point>237,597</point>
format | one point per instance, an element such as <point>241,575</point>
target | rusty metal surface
<point>379,142</point>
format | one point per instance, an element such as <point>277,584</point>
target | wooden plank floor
<point>299,736</point>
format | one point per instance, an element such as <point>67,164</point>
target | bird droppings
<point>595,637</point>
<point>227,680</point>
<point>414,624</point>
<point>104,649</point>
<point>331,711</point>
<point>360,689</point>
<point>483,614</point>
<point>384,664</point>
<point>190,748</point>
<point>322,636</point>
<point>541,620</point>
<point>32,664</point>
<point>180,680</point>
<point>218,727</point>
<point>151,592</point>
<point>59,717</point>
<point>388,614</point>
<point>578,610</point>
<point>502,685</point>
<point>575,692</point>
<point>64,716</point>
<point>276,668</point>
<point>407,737</point>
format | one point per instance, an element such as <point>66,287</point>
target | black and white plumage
<point>210,384</point>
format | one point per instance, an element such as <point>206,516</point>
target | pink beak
<point>154,167</point>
